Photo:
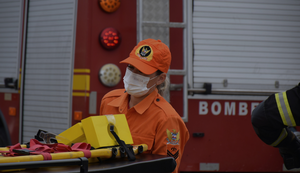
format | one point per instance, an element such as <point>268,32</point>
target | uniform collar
<point>120,102</point>
<point>140,108</point>
<point>146,102</point>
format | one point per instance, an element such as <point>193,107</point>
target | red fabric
<point>46,149</point>
<point>84,147</point>
<point>10,152</point>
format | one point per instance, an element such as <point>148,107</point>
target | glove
<point>291,153</point>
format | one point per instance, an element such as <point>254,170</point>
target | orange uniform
<point>153,121</point>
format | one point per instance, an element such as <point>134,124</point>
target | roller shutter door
<point>11,15</point>
<point>250,45</point>
<point>49,66</point>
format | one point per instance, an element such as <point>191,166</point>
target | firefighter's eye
<point>134,70</point>
<point>130,67</point>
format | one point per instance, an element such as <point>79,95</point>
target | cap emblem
<point>144,52</point>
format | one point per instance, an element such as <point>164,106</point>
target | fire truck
<point>59,57</point>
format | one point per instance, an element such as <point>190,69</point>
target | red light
<point>110,38</point>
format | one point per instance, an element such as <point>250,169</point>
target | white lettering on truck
<point>203,108</point>
<point>243,108</point>
<point>216,108</point>
<point>229,108</point>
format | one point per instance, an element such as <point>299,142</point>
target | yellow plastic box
<point>73,134</point>
<point>97,130</point>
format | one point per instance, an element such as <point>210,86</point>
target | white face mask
<point>136,84</point>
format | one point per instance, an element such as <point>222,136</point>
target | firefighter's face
<point>153,79</point>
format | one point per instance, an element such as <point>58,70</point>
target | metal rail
<point>232,91</point>
<point>82,162</point>
<point>164,24</point>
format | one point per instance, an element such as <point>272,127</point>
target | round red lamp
<point>110,38</point>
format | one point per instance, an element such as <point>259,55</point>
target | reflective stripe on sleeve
<point>282,135</point>
<point>284,109</point>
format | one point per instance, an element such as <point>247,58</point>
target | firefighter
<point>274,120</point>
<point>151,119</point>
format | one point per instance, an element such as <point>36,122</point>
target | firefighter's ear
<point>161,78</point>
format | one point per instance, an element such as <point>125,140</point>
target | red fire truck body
<point>226,58</point>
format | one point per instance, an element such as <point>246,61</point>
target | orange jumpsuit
<point>153,121</point>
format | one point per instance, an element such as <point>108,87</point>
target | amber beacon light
<point>110,38</point>
<point>109,5</point>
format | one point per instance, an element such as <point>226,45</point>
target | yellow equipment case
<point>104,138</point>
